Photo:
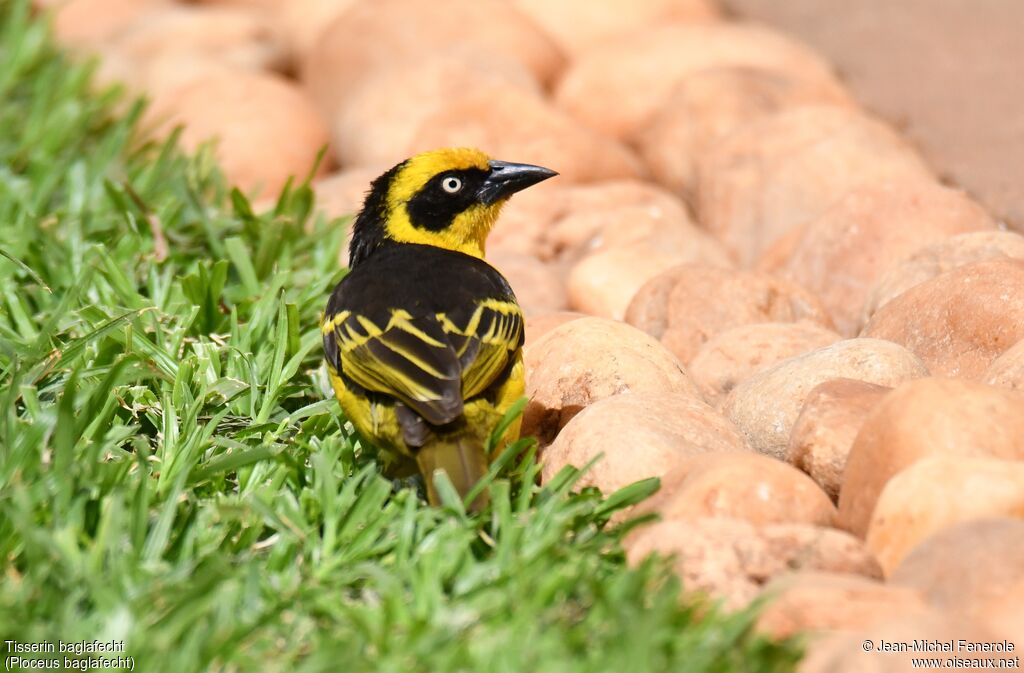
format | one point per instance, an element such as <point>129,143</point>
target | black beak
<point>505,179</point>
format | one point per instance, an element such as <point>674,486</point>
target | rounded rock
<point>664,429</point>
<point>538,286</point>
<point>1007,370</point>
<point>381,116</point>
<point>774,259</point>
<point>927,417</point>
<point>91,24</point>
<point>937,492</point>
<point>564,222</point>
<point>539,324</point>
<point>168,45</point>
<point>614,213</point>
<point>586,360</point>
<point>708,105</point>
<point>937,259</point>
<point>787,169</point>
<point>731,559</point>
<point>264,127</point>
<point>843,652</point>
<point>687,305</point>
<point>731,357</point>
<point>869,230</point>
<point>580,24</point>
<point>745,486</point>
<point>976,569</point>
<point>526,219</point>
<point>765,406</point>
<point>958,322</point>
<point>639,71</point>
<point>605,282</point>
<point>336,195</point>
<point>369,36</point>
<point>827,426</point>
<point>342,193</point>
<point>303,22</point>
<point>264,5</point>
<point>803,602</point>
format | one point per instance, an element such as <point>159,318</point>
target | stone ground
<point>949,73</point>
<point>800,315</point>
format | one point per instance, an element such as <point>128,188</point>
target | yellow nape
<point>468,232</point>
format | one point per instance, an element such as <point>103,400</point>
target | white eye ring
<point>451,185</point>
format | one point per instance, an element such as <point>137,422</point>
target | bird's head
<point>449,198</point>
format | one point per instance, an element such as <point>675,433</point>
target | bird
<point>423,338</point>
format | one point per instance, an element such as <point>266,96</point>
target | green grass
<point>173,474</point>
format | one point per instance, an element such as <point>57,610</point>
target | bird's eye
<point>451,185</point>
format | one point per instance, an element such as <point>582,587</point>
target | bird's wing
<point>486,339</point>
<point>430,363</point>
<point>407,358</point>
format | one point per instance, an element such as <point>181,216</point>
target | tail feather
<point>463,458</point>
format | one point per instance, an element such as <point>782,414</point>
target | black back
<point>417,277</point>
<point>422,279</point>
